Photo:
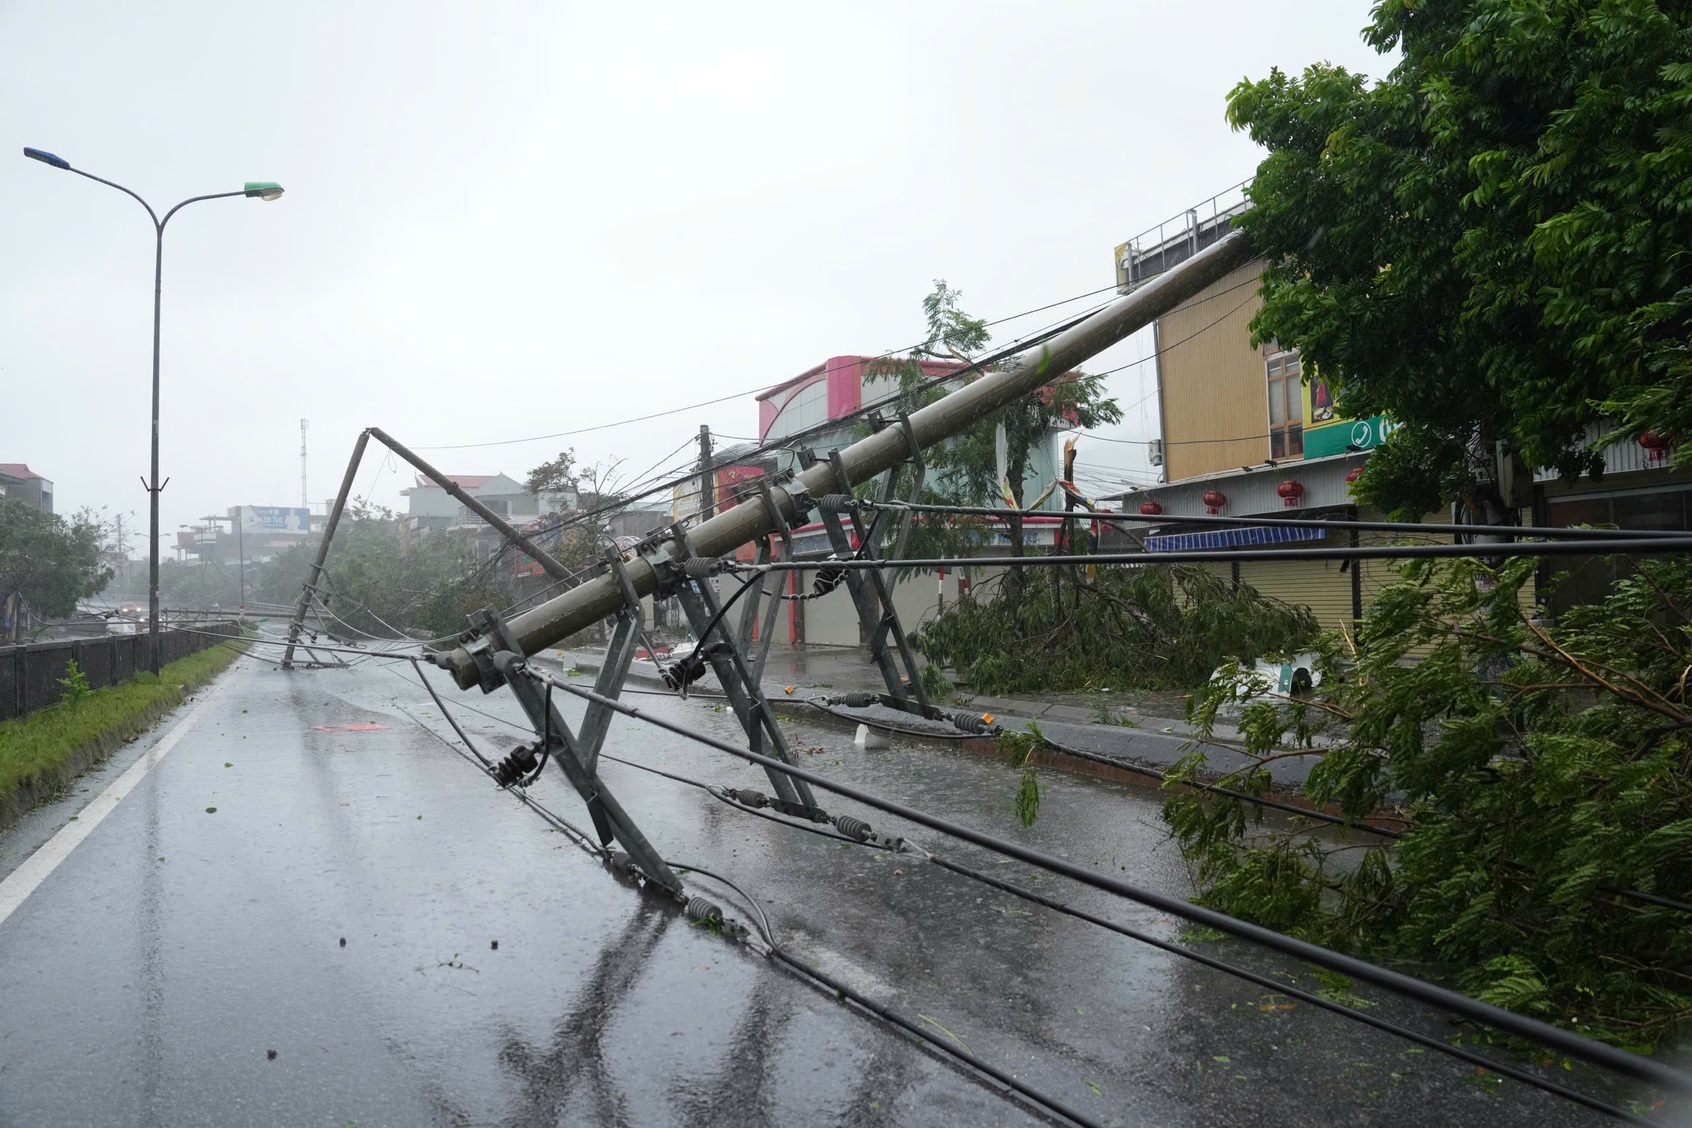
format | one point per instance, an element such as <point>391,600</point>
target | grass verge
<point>37,751</point>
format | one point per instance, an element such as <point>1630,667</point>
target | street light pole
<point>254,189</point>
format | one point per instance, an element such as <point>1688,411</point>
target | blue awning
<point>1239,537</point>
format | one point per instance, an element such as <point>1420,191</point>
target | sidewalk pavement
<point>1102,725</point>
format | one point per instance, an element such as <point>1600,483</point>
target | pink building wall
<point>845,378</point>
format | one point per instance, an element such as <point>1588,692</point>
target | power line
<point>731,396</point>
<point>1575,532</point>
<point>786,441</point>
<point>1574,1045</point>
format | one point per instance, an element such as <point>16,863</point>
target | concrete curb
<point>1126,769</point>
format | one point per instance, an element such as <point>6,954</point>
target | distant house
<point>431,509</point>
<point>18,481</point>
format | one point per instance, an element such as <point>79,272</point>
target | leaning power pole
<point>470,661</point>
<point>535,552</point>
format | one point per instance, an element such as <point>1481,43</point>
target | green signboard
<point>1325,432</point>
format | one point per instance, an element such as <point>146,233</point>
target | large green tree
<point>1493,245</point>
<point>50,561</point>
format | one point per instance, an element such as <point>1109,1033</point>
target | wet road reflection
<point>573,1063</point>
<point>146,980</point>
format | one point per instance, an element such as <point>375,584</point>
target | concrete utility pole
<point>707,480</point>
<point>590,602</point>
<point>536,553</point>
<point>316,572</point>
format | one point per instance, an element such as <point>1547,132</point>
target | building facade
<point>1247,431</point>
<point>19,482</point>
<point>429,508</point>
<point>1251,431</point>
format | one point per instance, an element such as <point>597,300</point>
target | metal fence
<point>30,675</point>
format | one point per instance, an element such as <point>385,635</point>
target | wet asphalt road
<point>152,975</point>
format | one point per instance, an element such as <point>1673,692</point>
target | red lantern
<point>1354,473</point>
<point>1214,500</point>
<point>1290,491</point>
<point>1150,508</point>
<point>1656,447</point>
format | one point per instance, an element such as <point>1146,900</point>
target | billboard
<point>275,519</point>
<point>1327,432</point>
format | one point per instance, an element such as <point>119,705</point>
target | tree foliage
<point>556,478</point>
<point>964,470</point>
<point>1541,772</point>
<point>1492,244</point>
<point>51,561</point>
<point>382,578</point>
<point>1155,627</point>
<point>966,467</point>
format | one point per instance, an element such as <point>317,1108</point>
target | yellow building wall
<point>1213,381</point>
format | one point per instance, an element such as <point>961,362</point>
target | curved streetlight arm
<point>190,200</point>
<point>158,224</point>
<point>153,215</point>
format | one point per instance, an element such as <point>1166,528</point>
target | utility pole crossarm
<point>586,604</point>
<point>536,553</point>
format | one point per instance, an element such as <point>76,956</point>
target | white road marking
<point>21,882</point>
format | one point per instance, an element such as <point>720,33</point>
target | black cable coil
<point>706,912</point>
<point>682,674</point>
<point>836,502</point>
<point>828,577</point>
<point>853,827</point>
<point>516,766</point>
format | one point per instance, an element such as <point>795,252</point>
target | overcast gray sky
<point>510,219</point>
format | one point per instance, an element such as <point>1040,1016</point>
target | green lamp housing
<point>264,189</point>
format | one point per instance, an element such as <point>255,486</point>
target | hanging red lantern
<point>1656,447</point>
<point>1354,473</point>
<point>1150,508</point>
<point>1214,500</point>
<point>1289,492</point>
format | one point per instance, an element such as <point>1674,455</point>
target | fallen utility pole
<point>536,553</point>
<point>590,602</point>
<point>316,573</point>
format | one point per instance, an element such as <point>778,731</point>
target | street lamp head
<point>45,157</point>
<point>263,189</point>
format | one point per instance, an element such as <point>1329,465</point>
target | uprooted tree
<point>1070,628</point>
<point>1542,775</point>
<point>1162,627</point>
<point>1490,246</point>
